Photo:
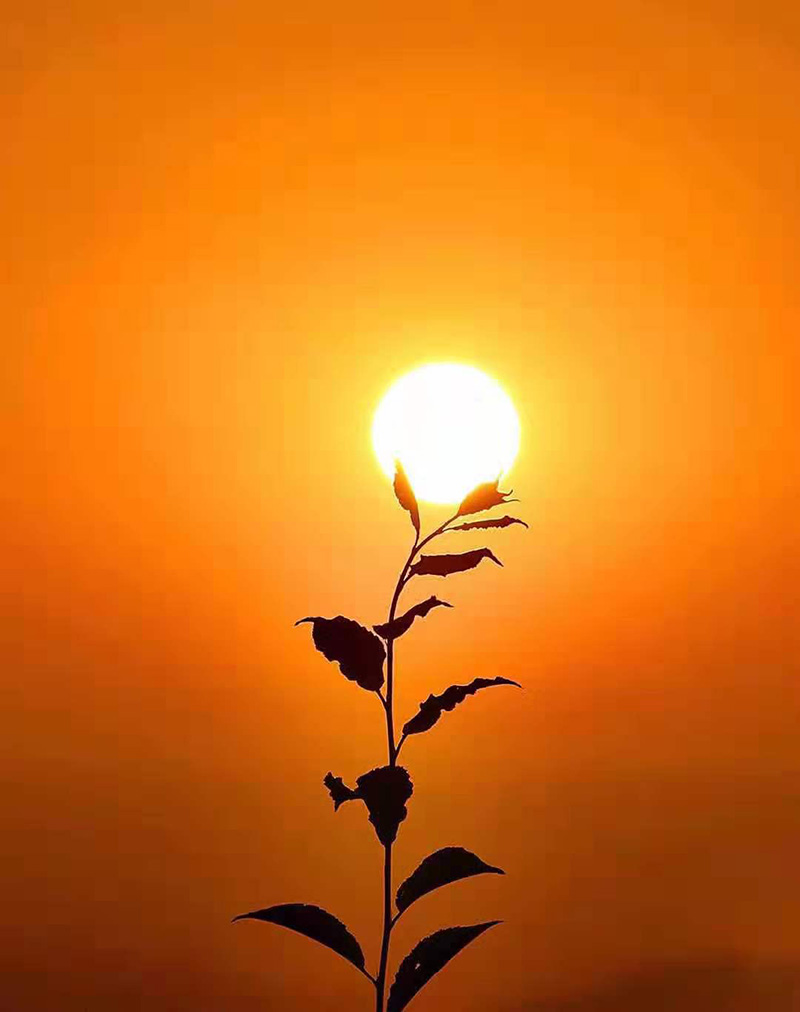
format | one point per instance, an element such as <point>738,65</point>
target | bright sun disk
<point>451,426</point>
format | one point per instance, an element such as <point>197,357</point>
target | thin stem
<point>393,751</point>
<point>389,705</point>
<point>380,983</point>
<point>390,652</point>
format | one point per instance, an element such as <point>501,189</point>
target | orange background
<point>229,227</point>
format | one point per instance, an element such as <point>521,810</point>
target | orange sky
<point>228,229</point>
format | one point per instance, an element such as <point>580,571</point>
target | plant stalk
<point>380,982</point>
<point>392,748</point>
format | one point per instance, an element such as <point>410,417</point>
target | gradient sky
<point>229,227</point>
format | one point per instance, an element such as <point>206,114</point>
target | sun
<point>451,426</point>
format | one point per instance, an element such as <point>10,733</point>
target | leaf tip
<point>405,493</point>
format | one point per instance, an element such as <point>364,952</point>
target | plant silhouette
<point>362,655</point>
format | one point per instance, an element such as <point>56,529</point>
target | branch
<point>418,546</point>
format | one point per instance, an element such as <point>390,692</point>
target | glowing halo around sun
<point>451,426</point>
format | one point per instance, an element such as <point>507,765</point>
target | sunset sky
<point>229,228</point>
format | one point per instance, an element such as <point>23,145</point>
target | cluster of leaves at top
<point>386,790</point>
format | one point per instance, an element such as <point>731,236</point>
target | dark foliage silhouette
<point>484,497</point>
<point>482,525</point>
<point>441,868</point>
<point>394,630</point>
<point>446,565</point>
<point>405,495</point>
<point>427,958</point>
<point>313,922</point>
<point>386,790</point>
<point>359,652</point>
<point>431,710</point>
<point>339,791</point>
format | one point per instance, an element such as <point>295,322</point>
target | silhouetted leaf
<point>427,958</point>
<point>484,497</point>
<point>480,525</point>
<point>314,923</point>
<point>445,565</point>
<point>392,630</point>
<point>405,494</point>
<point>338,790</point>
<point>431,710</point>
<point>440,868</point>
<point>359,652</point>
<point>385,791</point>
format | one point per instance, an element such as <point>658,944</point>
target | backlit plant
<point>368,658</point>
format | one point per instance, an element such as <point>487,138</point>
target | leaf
<point>314,923</point>
<point>385,791</point>
<point>405,494</point>
<point>445,565</point>
<point>484,497</point>
<point>359,652</point>
<point>439,869</point>
<point>431,710</point>
<point>481,525</point>
<point>338,790</point>
<point>393,630</point>
<point>427,958</point>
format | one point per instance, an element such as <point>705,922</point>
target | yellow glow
<point>451,427</point>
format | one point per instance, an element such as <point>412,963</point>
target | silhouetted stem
<point>393,750</point>
<point>389,706</point>
<point>380,983</point>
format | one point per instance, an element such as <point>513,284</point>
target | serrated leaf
<point>446,565</point>
<point>481,525</point>
<point>384,791</point>
<point>359,653</point>
<point>405,494</point>
<point>431,710</point>
<point>393,630</point>
<point>315,923</point>
<point>484,497</point>
<point>427,958</point>
<point>450,864</point>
